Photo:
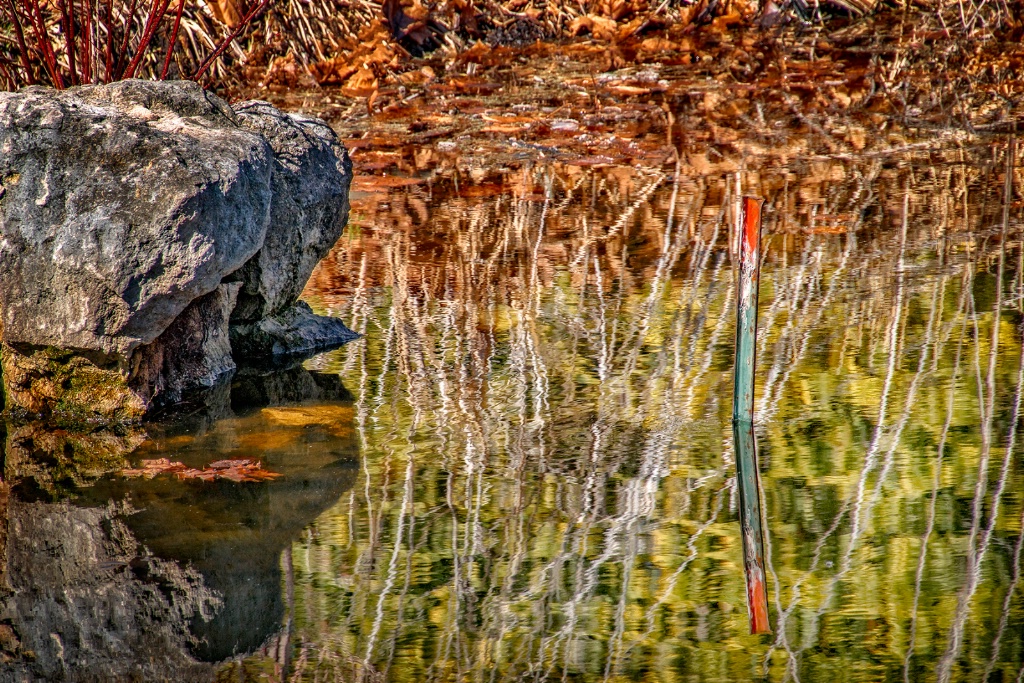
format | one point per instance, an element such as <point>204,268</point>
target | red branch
<point>259,7</point>
<point>174,39</point>
<point>87,55</point>
<point>156,15</point>
<point>54,40</point>
<point>43,42</point>
<point>123,50</point>
<point>22,47</point>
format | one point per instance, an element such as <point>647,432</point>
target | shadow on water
<point>151,577</point>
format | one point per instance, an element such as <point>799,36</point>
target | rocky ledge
<point>147,229</point>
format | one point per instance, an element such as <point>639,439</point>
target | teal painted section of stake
<point>747,475</point>
<point>746,311</point>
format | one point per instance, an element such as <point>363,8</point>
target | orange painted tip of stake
<point>757,599</point>
<point>751,222</point>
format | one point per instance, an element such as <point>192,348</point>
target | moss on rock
<point>66,387</point>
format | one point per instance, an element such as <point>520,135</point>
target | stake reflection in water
<point>748,479</point>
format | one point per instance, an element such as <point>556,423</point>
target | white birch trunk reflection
<point>559,368</point>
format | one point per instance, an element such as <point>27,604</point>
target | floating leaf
<point>240,470</point>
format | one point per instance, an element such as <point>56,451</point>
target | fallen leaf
<point>601,28</point>
<point>362,83</point>
<point>288,72</point>
<point>417,77</point>
<point>240,470</point>
<point>502,129</point>
<point>225,464</point>
<point>623,89</point>
<point>653,45</point>
<point>333,71</point>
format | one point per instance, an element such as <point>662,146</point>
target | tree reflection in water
<point>542,402</point>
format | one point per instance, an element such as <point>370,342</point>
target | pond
<point>523,469</point>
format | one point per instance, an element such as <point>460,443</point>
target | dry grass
<point>64,42</point>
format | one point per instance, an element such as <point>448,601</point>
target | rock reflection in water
<point>148,579</point>
<point>543,399</point>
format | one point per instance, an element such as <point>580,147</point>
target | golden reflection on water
<point>543,400</point>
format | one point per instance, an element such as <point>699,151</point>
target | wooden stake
<point>747,474</point>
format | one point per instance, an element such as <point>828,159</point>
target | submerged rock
<point>296,330</point>
<point>56,460</point>
<point>138,221</point>
<point>126,578</point>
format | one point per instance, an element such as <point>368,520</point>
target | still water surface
<point>542,402</point>
<point>532,476</point>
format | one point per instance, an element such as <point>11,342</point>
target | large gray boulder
<point>121,205</point>
<point>138,220</point>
